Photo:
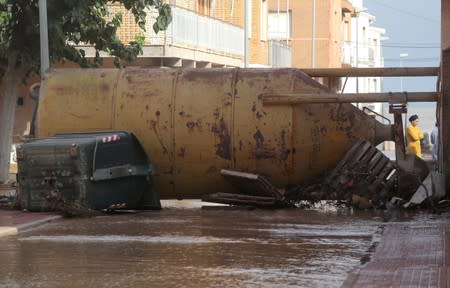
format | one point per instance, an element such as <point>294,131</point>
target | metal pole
<point>357,50</point>
<point>288,21</point>
<point>278,13</point>
<point>401,90</point>
<point>246,33</point>
<point>313,36</point>
<point>444,117</point>
<point>314,98</point>
<point>373,72</point>
<point>45,61</point>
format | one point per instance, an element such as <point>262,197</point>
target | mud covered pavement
<point>206,247</point>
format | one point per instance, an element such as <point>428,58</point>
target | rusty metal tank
<point>194,122</point>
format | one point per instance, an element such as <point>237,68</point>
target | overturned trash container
<point>91,171</point>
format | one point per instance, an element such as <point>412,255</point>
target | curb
<point>36,223</point>
<point>8,231</point>
<point>11,230</point>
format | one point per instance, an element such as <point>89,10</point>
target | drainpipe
<point>246,33</point>
<point>313,36</point>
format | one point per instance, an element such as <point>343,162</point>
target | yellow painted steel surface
<point>195,122</point>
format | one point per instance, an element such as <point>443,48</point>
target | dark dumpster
<point>93,171</point>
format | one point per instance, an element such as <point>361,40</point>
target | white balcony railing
<point>280,54</point>
<point>189,29</point>
<point>346,53</point>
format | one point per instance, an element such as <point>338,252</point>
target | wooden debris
<point>253,190</point>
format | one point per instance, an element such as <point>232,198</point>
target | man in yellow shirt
<point>413,136</point>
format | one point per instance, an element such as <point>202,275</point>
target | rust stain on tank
<point>284,152</point>
<point>223,148</point>
<point>154,125</point>
<point>184,114</point>
<point>259,139</point>
<point>345,120</point>
<point>216,113</point>
<point>129,95</point>
<point>182,152</point>
<point>259,115</point>
<point>315,153</point>
<point>262,152</point>
<point>211,170</point>
<point>191,125</point>
<point>105,88</point>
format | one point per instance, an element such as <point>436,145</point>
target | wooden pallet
<point>364,167</point>
<point>253,189</point>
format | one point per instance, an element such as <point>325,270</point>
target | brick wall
<point>258,45</point>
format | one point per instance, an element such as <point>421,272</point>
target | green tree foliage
<point>70,23</point>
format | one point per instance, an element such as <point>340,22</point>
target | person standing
<point>435,141</point>
<point>413,136</point>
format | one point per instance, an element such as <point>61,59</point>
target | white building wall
<point>365,50</point>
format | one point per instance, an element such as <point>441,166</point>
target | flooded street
<point>215,247</point>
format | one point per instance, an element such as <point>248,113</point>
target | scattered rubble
<point>365,178</point>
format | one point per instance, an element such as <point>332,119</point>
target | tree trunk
<point>8,100</point>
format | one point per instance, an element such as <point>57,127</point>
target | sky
<point>413,28</point>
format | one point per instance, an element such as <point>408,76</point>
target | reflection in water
<point>190,248</point>
<point>172,239</point>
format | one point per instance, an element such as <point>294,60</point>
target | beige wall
<point>258,45</point>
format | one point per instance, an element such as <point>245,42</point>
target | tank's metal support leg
<point>397,110</point>
<point>413,169</point>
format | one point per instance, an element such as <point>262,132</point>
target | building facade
<point>204,33</point>
<point>364,51</point>
<point>316,30</point>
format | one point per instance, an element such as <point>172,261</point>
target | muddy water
<point>190,248</point>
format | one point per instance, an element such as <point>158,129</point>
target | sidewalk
<point>413,254</point>
<point>14,221</point>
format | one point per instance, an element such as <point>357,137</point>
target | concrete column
<point>445,24</point>
<point>444,105</point>
<point>445,117</point>
<point>203,64</point>
<point>188,63</point>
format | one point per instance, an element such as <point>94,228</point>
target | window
<point>263,22</point>
<point>279,25</point>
